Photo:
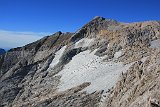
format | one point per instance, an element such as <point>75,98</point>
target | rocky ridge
<point>104,64</point>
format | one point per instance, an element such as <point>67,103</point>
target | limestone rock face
<point>104,64</point>
<point>139,86</point>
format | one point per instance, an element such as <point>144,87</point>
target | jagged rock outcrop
<point>139,86</point>
<point>104,64</point>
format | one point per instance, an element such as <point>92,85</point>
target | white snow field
<point>155,43</point>
<point>87,67</point>
<point>85,42</point>
<point>118,54</point>
<point>58,55</point>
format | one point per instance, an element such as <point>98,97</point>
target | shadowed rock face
<point>124,57</point>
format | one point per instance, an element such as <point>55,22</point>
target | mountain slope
<point>105,63</point>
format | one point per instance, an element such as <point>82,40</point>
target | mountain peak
<point>93,27</point>
<point>58,33</point>
<point>98,17</point>
<point>102,22</point>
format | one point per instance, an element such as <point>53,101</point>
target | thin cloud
<point>12,39</point>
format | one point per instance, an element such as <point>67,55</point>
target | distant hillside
<point>2,51</point>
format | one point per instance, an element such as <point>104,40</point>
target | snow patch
<point>85,42</point>
<point>87,67</point>
<point>118,54</point>
<point>144,59</point>
<point>58,55</point>
<point>155,43</point>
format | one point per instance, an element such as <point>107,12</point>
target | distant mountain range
<point>2,51</point>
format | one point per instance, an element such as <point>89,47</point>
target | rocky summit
<point>105,63</point>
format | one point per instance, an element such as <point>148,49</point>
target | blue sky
<point>43,17</point>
